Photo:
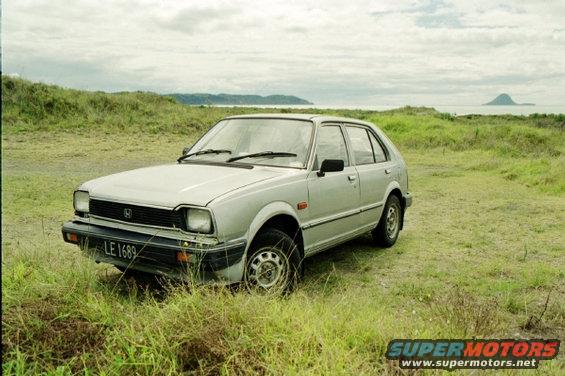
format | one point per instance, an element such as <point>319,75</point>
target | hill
<point>233,99</point>
<point>505,100</point>
<point>31,106</point>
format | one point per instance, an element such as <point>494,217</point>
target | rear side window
<point>331,145</point>
<point>360,145</point>
<point>380,155</point>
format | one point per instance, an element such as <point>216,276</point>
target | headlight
<point>81,201</point>
<point>198,220</point>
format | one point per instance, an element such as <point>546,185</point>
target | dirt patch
<point>210,352</point>
<point>40,330</point>
<point>475,316</point>
<point>206,355</point>
<point>545,320</point>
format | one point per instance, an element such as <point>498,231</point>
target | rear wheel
<point>386,232</point>
<point>273,263</point>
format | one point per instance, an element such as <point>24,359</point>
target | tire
<point>273,263</point>
<point>386,232</point>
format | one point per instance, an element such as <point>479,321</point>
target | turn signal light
<point>302,205</point>
<point>73,238</point>
<point>183,257</point>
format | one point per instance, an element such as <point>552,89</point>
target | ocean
<point>455,110</point>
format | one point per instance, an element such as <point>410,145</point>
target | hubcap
<point>267,268</point>
<point>392,217</point>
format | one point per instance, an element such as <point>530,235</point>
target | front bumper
<point>155,254</point>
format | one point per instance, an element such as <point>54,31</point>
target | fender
<point>267,212</point>
<point>236,271</point>
<point>381,204</point>
<point>391,186</point>
<point>394,185</point>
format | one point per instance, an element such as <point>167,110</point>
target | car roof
<point>310,117</point>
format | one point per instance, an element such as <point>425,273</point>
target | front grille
<point>136,214</point>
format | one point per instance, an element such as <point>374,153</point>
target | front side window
<point>331,145</point>
<point>360,145</point>
<point>234,138</point>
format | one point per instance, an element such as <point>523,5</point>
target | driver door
<point>333,199</point>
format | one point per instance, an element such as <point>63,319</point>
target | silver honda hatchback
<point>248,201</point>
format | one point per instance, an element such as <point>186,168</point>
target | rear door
<point>333,199</point>
<point>375,172</point>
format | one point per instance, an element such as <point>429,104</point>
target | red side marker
<point>302,205</point>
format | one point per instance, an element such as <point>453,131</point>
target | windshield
<point>249,136</point>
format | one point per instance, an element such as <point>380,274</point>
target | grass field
<point>482,253</point>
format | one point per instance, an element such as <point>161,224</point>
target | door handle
<point>352,177</point>
<point>388,170</point>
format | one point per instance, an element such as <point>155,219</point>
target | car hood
<point>173,185</point>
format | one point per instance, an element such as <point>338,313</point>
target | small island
<point>234,99</point>
<point>505,100</point>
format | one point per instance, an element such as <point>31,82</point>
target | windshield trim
<point>217,163</point>
<point>270,165</point>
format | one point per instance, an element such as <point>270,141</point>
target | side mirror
<point>330,165</point>
<point>186,150</point>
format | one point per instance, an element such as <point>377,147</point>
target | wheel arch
<point>280,216</point>
<point>394,189</point>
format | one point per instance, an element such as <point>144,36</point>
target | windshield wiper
<point>263,154</point>
<point>205,151</point>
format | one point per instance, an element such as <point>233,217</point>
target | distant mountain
<point>505,100</point>
<point>227,99</point>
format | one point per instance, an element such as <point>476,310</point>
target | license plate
<point>119,250</point>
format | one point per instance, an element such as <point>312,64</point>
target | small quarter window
<point>380,155</point>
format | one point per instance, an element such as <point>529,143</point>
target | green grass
<point>481,250</point>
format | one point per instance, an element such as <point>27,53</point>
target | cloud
<point>192,20</point>
<point>386,52</point>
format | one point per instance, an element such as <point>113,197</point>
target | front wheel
<point>273,263</point>
<point>386,232</point>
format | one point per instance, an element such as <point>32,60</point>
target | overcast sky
<point>330,52</point>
